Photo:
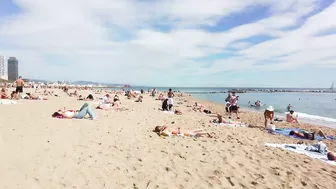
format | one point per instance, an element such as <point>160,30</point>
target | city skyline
<point>197,43</point>
<point>9,68</point>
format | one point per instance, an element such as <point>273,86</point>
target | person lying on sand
<point>33,96</point>
<point>116,98</point>
<point>331,156</point>
<point>161,97</point>
<point>167,131</point>
<point>291,117</point>
<point>76,114</point>
<point>88,98</point>
<point>308,135</point>
<point>269,114</point>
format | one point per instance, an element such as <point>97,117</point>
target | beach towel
<point>285,132</point>
<point>6,101</point>
<point>229,123</point>
<point>301,149</point>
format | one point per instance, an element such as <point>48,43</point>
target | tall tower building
<point>3,73</point>
<point>13,68</point>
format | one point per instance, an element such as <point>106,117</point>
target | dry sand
<point>119,150</point>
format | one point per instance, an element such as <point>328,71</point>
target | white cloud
<point>116,41</point>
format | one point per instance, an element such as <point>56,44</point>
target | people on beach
<point>168,131</point>
<point>33,96</point>
<point>234,105</point>
<point>165,105</point>
<point>19,85</point>
<point>308,135</point>
<point>331,156</point>
<point>76,114</point>
<point>268,115</point>
<point>153,92</point>
<point>291,117</point>
<point>139,99</point>
<point>289,107</point>
<point>170,99</point>
<point>3,93</point>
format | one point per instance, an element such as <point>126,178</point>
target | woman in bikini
<point>167,131</point>
<point>76,114</point>
<point>291,118</point>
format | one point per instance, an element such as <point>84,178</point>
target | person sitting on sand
<point>131,94</point>
<point>161,97</point>
<point>291,118</point>
<point>269,114</point>
<point>15,95</point>
<point>308,135</point>
<point>165,105</point>
<point>116,98</point>
<point>139,99</point>
<point>167,131</point>
<point>3,93</point>
<point>77,114</point>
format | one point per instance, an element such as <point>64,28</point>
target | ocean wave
<point>314,117</point>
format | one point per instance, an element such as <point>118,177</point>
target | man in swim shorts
<point>234,104</point>
<point>268,114</point>
<point>170,99</point>
<point>307,135</point>
<point>19,85</point>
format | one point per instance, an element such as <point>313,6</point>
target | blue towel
<point>285,132</point>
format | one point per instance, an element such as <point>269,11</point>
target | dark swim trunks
<point>19,89</point>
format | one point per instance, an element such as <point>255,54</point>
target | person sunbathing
<point>76,114</point>
<point>307,135</point>
<point>3,93</point>
<point>291,117</point>
<point>161,97</point>
<point>15,95</point>
<point>116,98</point>
<point>167,131</point>
<point>331,156</point>
<point>33,96</point>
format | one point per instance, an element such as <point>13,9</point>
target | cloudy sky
<point>287,43</point>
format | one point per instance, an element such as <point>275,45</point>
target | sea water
<point>317,108</point>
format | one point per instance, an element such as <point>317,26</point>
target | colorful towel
<point>229,123</point>
<point>285,132</point>
<point>300,149</point>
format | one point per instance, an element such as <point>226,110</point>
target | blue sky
<point>288,43</point>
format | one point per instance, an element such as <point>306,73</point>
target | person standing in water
<point>170,99</point>
<point>289,107</point>
<point>19,85</point>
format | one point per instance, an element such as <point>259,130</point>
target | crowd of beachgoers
<point>175,103</point>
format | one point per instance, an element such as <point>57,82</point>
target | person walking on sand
<point>170,99</point>
<point>269,114</point>
<point>234,105</point>
<point>19,85</point>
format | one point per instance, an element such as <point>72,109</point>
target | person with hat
<point>269,114</point>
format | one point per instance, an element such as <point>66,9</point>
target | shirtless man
<point>19,85</point>
<point>170,99</point>
<point>291,118</point>
<point>167,131</point>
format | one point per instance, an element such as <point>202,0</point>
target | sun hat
<point>270,108</point>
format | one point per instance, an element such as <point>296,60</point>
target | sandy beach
<point>119,150</point>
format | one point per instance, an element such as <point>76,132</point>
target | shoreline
<point>221,108</point>
<point>39,151</point>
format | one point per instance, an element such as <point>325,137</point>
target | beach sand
<point>119,150</point>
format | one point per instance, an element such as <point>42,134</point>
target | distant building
<point>13,68</point>
<point>3,73</point>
